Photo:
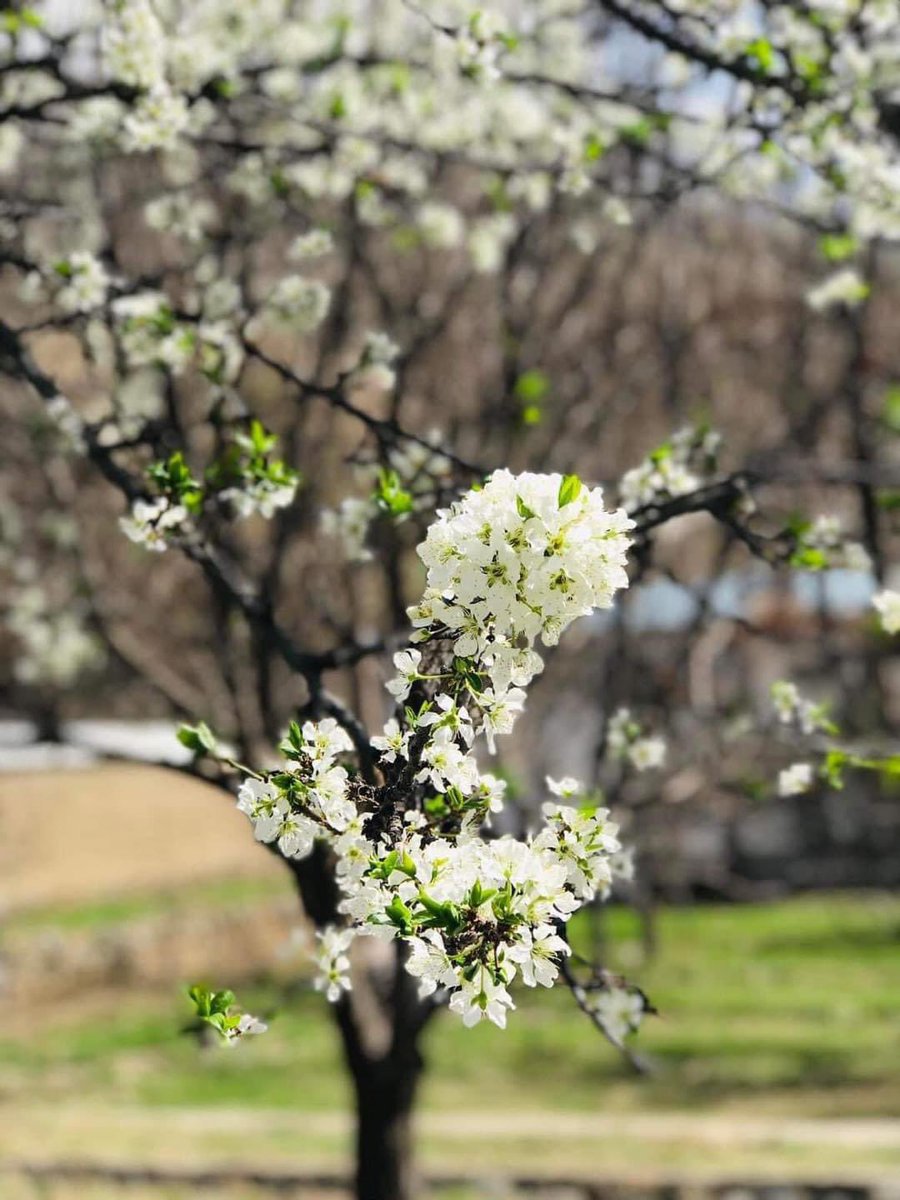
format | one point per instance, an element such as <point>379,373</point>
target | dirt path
<point>83,835</point>
<point>646,1145</point>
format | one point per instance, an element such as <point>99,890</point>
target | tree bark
<point>380,1023</point>
<point>384,1152</point>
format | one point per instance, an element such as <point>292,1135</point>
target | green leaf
<point>890,411</point>
<point>220,1002</point>
<point>569,490</point>
<point>762,54</point>
<point>261,442</point>
<point>637,134</point>
<point>443,914</point>
<point>279,183</point>
<point>832,769</point>
<point>174,477</point>
<point>201,997</point>
<point>399,915</point>
<point>532,386</point>
<point>837,247</point>
<point>292,744</point>
<point>523,510</point>
<point>808,558</point>
<point>197,738</point>
<point>594,148</point>
<point>390,495</point>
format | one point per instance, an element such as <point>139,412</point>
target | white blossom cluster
<point>246,480</point>
<point>297,302</point>
<point>806,718</point>
<point>679,466</point>
<point>509,563</point>
<point>476,914</point>
<point>67,424</point>
<point>261,496</point>
<point>795,779</point>
<point>845,286</point>
<point>794,709</point>
<point>813,79</point>
<point>375,369</point>
<point>627,742</point>
<point>887,605</point>
<point>85,282</point>
<point>309,799</point>
<point>825,543</point>
<point>151,523</point>
<point>307,112</point>
<point>619,1010</point>
<point>515,561</point>
<point>54,647</point>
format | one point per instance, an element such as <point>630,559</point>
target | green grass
<point>102,914</point>
<point>783,1007</point>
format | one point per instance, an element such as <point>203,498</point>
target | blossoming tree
<point>199,197</point>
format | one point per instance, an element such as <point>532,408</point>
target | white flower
<point>887,604</point>
<point>626,742</point>
<point>481,998</point>
<point>491,792</point>
<point>445,714</point>
<point>647,753</point>
<point>156,121</point>
<point>182,214</point>
<point>248,1026</point>
<point>151,522</point>
<point>374,369</point>
<point>447,765</point>
<point>86,283</point>
<point>299,302</point>
<point>441,225</point>
<point>134,44</point>
<point>393,743</point>
<point>513,562</point>
<point>488,239</point>
<point>326,739</point>
<point>350,525</point>
<point>567,787</point>
<point>791,706</point>
<point>499,713</point>
<point>67,423</point>
<point>406,663</point>
<point>428,962</point>
<point>314,244</point>
<point>786,699</point>
<point>843,287</point>
<point>536,956</point>
<point>795,780</point>
<point>263,803</point>
<point>619,1009</point>
<point>332,961</point>
<point>259,496</point>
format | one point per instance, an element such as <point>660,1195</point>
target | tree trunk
<point>380,1023</point>
<point>384,1158</point>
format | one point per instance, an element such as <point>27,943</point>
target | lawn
<point>772,1018</point>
